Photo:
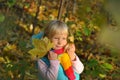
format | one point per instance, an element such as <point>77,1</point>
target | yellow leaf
<point>7,59</point>
<point>37,30</point>
<point>102,75</point>
<point>11,74</point>
<point>9,47</point>
<point>37,52</point>
<point>41,47</point>
<point>2,59</point>
<point>39,44</point>
<point>71,38</point>
<point>48,45</point>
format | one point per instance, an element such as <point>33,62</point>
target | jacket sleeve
<point>77,65</point>
<point>48,72</point>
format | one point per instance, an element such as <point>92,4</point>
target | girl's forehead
<point>61,34</point>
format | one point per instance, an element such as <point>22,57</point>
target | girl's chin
<point>58,48</point>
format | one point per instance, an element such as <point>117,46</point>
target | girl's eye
<point>55,38</point>
<point>64,38</point>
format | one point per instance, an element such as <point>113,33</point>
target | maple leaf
<point>41,47</point>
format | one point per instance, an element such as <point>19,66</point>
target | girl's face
<point>59,40</point>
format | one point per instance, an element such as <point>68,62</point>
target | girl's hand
<point>71,51</point>
<point>52,55</point>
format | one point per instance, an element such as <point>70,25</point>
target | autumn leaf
<point>2,59</point>
<point>71,39</point>
<point>36,53</point>
<point>41,47</point>
<point>9,47</point>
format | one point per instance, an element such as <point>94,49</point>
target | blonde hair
<point>55,27</point>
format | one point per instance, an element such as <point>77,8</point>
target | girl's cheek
<point>65,42</point>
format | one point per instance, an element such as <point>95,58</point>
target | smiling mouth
<point>59,46</point>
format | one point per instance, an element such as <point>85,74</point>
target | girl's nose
<point>59,41</point>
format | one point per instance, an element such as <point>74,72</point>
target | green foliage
<point>107,66</point>
<point>97,71</point>
<point>11,3</point>
<point>70,23</point>
<point>78,35</point>
<point>92,63</point>
<point>87,32</point>
<point>22,45</point>
<point>93,69</point>
<point>2,17</point>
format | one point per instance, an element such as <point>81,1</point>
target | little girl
<point>59,63</point>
